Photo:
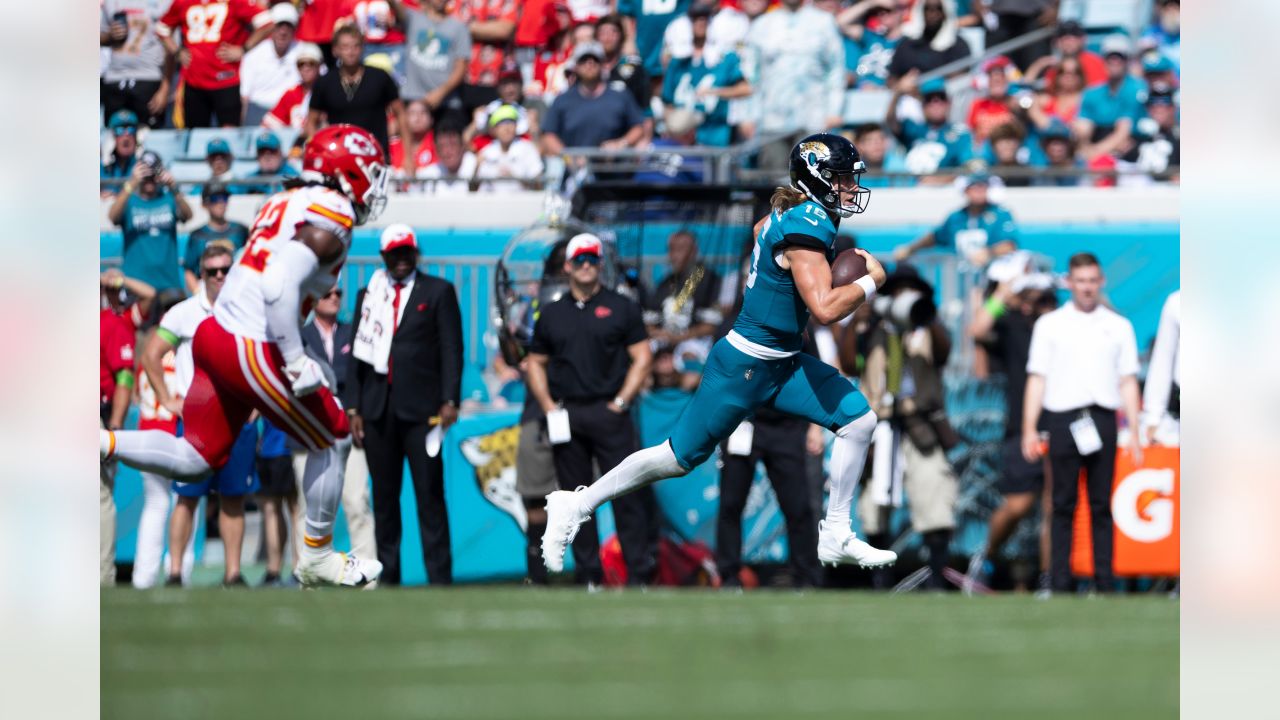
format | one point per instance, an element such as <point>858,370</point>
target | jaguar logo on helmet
<point>815,152</point>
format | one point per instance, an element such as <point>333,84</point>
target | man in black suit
<point>405,378</point>
<point>329,341</point>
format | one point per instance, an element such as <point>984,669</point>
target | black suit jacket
<point>341,360</point>
<point>426,357</point>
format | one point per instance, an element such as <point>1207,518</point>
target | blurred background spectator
<point>935,143</point>
<point>1108,111</point>
<point>124,148</point>
<point>439,50</point>
<point>1018,17</point>
<point>420,136</point>
<point>796,66</point>
<point>1156,143</point>
<point>270,69</point>
<point>271,164</point>
<point>492,24</point>
<point>645,25</point>
<point>319,20</point>
<point>998,106</point>
<point>590,113</point>
<point>872,30</point>
<point>510,94</point>
<point>725,32</point>
<point>1060,100</point>
<point>1165,32</point>
<point>291,110</point>
<point>930,39</point>
<point>680,312</point>
<point>217,155</point>
<point>455,165</point>
<point>508,161</point>
<point>1068,44</point>
<point>624,72</point>
<point>976,232</point>
<point>873,144</point>
<point>1059,148</point>
<point>148,209</point>
<point>213,43</point>
<point>137,75</point>
<point>680,130</point>
<point>356,94</point>
<point>1010,160</point>
<point>705,80</point>
<point>230,234</point>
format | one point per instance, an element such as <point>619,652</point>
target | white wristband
<point>868,286</point>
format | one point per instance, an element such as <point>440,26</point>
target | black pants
<point>779,444</point>
<point>200,106</point>
<point>388,442</point>
<point>1100,467</point>
<point>131,95</point>
<point>1012,26</point>
<point>607,438</point>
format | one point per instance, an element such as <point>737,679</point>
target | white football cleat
<point>841,546</point>
<point>564,517</point>
<point>336,568</point>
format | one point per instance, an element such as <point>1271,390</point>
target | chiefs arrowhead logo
<point>603,312</point>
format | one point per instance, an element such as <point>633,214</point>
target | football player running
<point>759,362</point>
<point>249,354</point>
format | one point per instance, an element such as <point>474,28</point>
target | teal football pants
<point>734,384</point>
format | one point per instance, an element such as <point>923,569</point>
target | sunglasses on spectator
<point>332,293</point>
<point>126,130</point>
<point>217,198</point>
<point>586,260</point>
<point>217,271</point>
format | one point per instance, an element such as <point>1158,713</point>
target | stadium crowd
<point>484,96</point>
<point>481,95</point>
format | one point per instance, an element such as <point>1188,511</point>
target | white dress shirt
<point>1166,362</point>
<point>1082,357</point>
<point>265,76</point>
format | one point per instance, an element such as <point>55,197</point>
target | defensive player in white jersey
<point>249,355</point>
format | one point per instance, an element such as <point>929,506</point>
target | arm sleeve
<point>801,240</point>
<point>319,103</point>
<point>1127,364</point>
<point>450,319</point>
<point>250,13</point>
<point>282,281</point>
<point>171,20</point>
<point>1155,394</point>
<point>462,50</point>
<point>1041,348</point>
<point>636,331</point>
<point>171,323</point>
<point>390,91</point>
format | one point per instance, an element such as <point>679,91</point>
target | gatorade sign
<point>1144,509</point>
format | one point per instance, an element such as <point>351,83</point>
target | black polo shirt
<point>366,108</point>
<point>587,344</point>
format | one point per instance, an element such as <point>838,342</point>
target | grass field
<point>515,653</point>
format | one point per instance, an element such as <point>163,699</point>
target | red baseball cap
<point>583,244</point>
<point>397,236</point>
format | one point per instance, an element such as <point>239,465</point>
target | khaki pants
<point>107,524</point>
<point>355,500</point>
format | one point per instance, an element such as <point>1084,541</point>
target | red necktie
<point>395,323</point>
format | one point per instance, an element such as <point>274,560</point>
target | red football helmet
<point>348,159</point>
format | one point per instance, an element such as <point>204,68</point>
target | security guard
<point>587,361</point>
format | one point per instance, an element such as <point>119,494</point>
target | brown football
<point>847,267</point>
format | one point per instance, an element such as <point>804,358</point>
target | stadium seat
<point>864,106</point>
<point>186,171</point>
<point>168,144</point>
<point>1106,16</point>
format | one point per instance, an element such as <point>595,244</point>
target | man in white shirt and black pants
<point>1082,366</point>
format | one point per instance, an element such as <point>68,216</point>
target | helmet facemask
<point>843,182</point>
<point>375,198</point>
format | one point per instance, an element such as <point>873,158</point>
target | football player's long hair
<point>785,198</point>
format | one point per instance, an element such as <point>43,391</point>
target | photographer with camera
<point>903,383</point>
<point>148,209</point>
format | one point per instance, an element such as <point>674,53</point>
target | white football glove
<point>305,376</point>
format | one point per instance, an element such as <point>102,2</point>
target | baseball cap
<point>267,141</point>
<point>977,178</point>
<point>1070,27</point>
<point>1056,130</point>
<point>1160,94</point>
<point>151,158</point>
<point>701,8</point>
<point>681,120</point>
<point>284,13</point>
<point>309,51</point>
<point>381,61</point>
<point>935,86</point>
<point>1116,44</point>
<point>123,118</point>
<point>217,146</point>
<point>999,62</point>
<point>397,236</point>
<point>1153,61</point>
<point>505,113</point>
<point>583,244</point>
<point>510,74</point>
<point>587,49</point>
<point>214,188</point>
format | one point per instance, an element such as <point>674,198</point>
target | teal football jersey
<point>773,313</point>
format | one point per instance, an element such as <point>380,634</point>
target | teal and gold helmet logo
<point>813,153</point>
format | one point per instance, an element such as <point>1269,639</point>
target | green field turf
<point>515,653</point>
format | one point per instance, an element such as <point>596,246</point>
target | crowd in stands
<point>625,74</point>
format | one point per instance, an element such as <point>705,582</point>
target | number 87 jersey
<point>241,305</point>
